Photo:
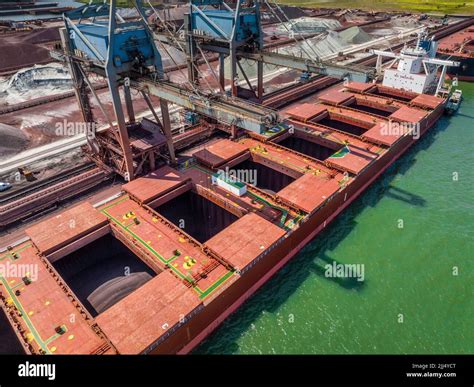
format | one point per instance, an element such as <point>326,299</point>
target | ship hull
<point>465,72</point>
<point>191,334</point>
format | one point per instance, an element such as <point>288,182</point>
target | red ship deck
<point>219,152</point>
<point>66,227</point>
<point>335,97</point>
<point>251,201</point>
<point>360,87</point>
<point>355,154</point>
<point>387,104</point>
<point>165,246</point>
<point>353,116</point>
<point>305,111</point>
<point>349,105</point>
<point>380,134</point>
<point>245,240</point>
<point>43,305</point>
<point>191,275</point>
<point>427,101</point>
<point>155,184</point>
<point>141,318</point>
<point>408,114</point>
<point>309,191</point>
<point>284,158</point>
<point>346,98</point>
<point>459,44</point>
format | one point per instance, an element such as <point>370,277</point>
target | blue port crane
<point>97,40</point>
<point>236,33</point>
<point>217,27</point>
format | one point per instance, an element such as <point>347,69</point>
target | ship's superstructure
<point>417,68</point>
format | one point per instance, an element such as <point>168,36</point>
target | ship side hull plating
<point>191,334</point>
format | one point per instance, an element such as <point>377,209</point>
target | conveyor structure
<point>97,40</point>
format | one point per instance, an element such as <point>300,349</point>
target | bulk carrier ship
<point>460,47</point>
<point>199,240</point>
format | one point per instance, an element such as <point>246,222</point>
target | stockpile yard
<point>13,140</point>
<point>34,82</point>
<point>200,148</point>
<point>26,48</point>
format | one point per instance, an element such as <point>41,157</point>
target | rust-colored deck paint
<point>219,152</point>
<point>62,229</point>
<point>192,275</point>
<point>154,184</point>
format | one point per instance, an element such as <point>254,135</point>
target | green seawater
<point>410,301</point>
